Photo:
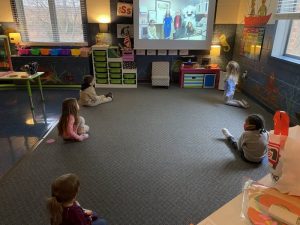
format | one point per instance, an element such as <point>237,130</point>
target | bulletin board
<point>252,41</point>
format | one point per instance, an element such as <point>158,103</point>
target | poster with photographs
<point>151,52</point>
<point>140,52</point>
<point>161,52</point>
<point>172,52</point>
<point>124,29</point>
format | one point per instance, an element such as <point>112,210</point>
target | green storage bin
<point>100,58</point>
<point>115,75</point>
<point>99,53</point>
<point>116,81</point>
<point>129,75</point>
<point>100,70</point>
<point>113,52</point>
<point>129,81</point>
<point>115,64</point>
<point>115,70</point>
<point>35,51</point>
<point>101,75</point>
<point>100,64</point>
<point>101,81</point>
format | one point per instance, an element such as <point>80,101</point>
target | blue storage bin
<point>55,51</point>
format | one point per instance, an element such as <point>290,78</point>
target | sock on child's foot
<point>226,133</point>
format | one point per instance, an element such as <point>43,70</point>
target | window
<point>287,38</point>
<point>51,21</point>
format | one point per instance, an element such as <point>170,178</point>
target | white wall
<point>98,10</point>
<point>228,11</point>
<point>5,13</point>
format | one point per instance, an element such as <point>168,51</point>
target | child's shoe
<point>226,133</point>
<point>109,94</point>
<point>245,104</point>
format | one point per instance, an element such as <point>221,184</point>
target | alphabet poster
<point>124,9</point>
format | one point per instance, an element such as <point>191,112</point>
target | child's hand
<point>88,212</point>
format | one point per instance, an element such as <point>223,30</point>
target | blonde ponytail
<point>55,209</point>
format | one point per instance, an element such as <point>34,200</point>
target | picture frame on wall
<point>123,29</point>
<point>161,7</point>
<point>151,16</point>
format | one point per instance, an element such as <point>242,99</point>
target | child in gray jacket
<point>252,145</point>
<point>88,95</point>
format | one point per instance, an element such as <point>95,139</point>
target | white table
<point>230,213</point>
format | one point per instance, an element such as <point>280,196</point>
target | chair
<point>160,74</point>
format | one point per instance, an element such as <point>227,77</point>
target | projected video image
<point>173,20</point>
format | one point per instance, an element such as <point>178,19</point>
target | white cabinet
<point>110,70</point>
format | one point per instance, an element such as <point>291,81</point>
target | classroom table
<point>17,76</point>
<point>230,213</point>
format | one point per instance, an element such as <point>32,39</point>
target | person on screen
<point>190,30</point>
<point>167,24</point>
<point>177,21</point>
<point>203,24</point>
<point>152,30</point>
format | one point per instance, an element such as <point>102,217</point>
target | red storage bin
<point>23,51</point>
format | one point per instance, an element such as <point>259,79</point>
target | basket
<point>54,51</point>
<point>35,51</point>
<point>45,51</point>
<point>75,52</point>
<point>23,51</point>
<point>65,52</point>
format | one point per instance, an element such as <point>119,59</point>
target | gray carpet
<point>154,157</point>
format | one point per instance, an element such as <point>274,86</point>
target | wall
<point>272,82</point>
<point>5,15</point>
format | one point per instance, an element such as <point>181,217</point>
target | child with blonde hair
<point>88,95</point>
<point>63,207</point>
<point>71,126</point>
<point>252,144</point>
<point>233,70</point>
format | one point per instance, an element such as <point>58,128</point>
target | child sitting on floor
<point>88,95</point>
<point>63,207</point>
<point>231,81</point>
<point>71,126</point>
<point>252,145</point>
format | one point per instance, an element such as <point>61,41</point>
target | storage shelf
<point>111,70</point>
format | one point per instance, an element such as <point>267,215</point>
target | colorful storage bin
<point>101,75</point>
<point>115,75</point>
<point>75,52</point>
<point>114,64</point>
<point>100,64</point>
<point>115,70</point>
<point>100,58</point>
<point>101,81</point>
<point>129,81</point>
<point>100,70</point>
<point>100,53</point>
<point>35,51</point>
<point>23,51</point>
<point>65,52</point>
<point>116,81</point>
<point>45,51</point>
<point>129,75</point>
<point>54,51</point>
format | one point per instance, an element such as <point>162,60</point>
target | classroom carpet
<point>155,156</point>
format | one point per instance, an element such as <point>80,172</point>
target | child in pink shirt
<point>71,126</point>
